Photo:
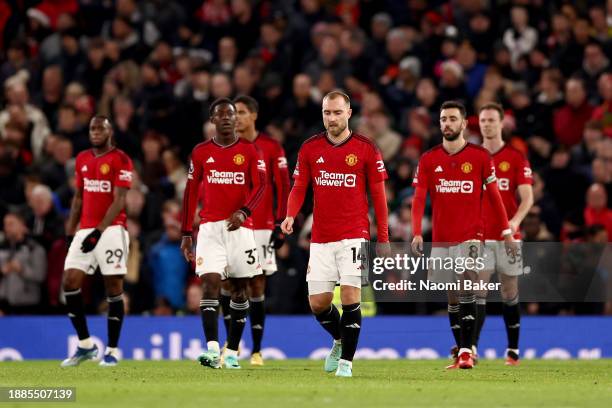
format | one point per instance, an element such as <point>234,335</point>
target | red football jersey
<point>455,184</point>
<point>232,177</point>
<point>98,176</point>
<point>512,169</point>
<point>277,177</point>
<point>339,174</point>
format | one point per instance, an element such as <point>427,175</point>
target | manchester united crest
<point>504,166</point>
<point>351,159</point>
<point>238,159</point>
<point>104,169</point>
<point>466,167</point>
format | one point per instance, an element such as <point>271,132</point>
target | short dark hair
<point>454,105</point>
<point>247,101</point>
<point>336,93</point>
<point>493,106</point>
<point>220,101</point>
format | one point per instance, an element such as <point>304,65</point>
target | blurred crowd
<point>155,66</point>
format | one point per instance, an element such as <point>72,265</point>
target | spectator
<point>595,63</point>
<point>569,120</point>
<point>18,101</point>
<point>69,127</point>
<point>603,112</point>
<point>596,211</point>
<point>44,222</point>
<point>167,264</point>
<point>520,38</point>
<point>23,267</point>
<point>377,127</point>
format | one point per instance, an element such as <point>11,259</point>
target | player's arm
<point>492,192</point>
<point>301,175</point>
<point>525,192</point>
<point>257,172</point>
<point>524,180</point>
<point>280,174</point>
<point>190,202</point>
<point>75,215</point>
<point>418,206</point>
<point>377,174</point>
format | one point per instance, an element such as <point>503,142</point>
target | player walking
<point>455,173</point>
<point>340,164</point>
<point>266,222</point>
<point>513,176</point>
<point>234,177</point>
<point>103,177</point>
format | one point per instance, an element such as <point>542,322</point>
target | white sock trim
<point>86,343</point>
<point>213,346</point>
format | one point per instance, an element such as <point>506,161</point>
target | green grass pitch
<point>302,383</point>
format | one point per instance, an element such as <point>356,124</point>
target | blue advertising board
<point>414,337</point>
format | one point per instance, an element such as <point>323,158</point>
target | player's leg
<point>467,314</point>
<point>322,276</point>
<point>209,312</point>
<point>239,309</point>
<point>257,290</point>
<point>350,326</point>
<point>510,267</point>
<point>86,350</point>
<point>350,268</point>
<point>116,310</point>
<point>512,316</point>
<point>455,326</point>
<point>321,294</point>
<point>481,308</point>
<point>76,266</point>
<point>111,255</point>
<point>211,262</point>
<point>224,299</point>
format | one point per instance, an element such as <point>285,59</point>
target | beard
<point>453,136</point>
<point>339,129</point>
<point>101,143</point>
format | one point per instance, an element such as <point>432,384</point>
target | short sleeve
<point>488,169</point>
<point>375,166</point>
<point>420,173</point>
<point>524,174</point>
<point>78,175</point>
<point>123,176</point>
<point>301,174</point>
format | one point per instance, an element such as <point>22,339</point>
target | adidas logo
<point>209,309</point>
<point>320,160</point>
<point>115,318</point>
<point>257,327</point>
<point>438,169</point>
<point>84,168</point>
<point>353,326</point>
<point>455,326</point>
<point>514,326</point>
<point>326,322</point>
<point>243,320</point>
<point>468,317</point>
<point>210,160</point>
<point>71,315</point>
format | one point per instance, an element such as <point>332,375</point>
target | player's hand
<point>383,249</point>
<point>186,247</point>
<point>511,245</point>
<point>514,226</point>
<point>277,239</point>
<point>235,221</point>
<point>287,225</point>
<point>69,239</point>
<point>91,240</point>
<point>417,245</point>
